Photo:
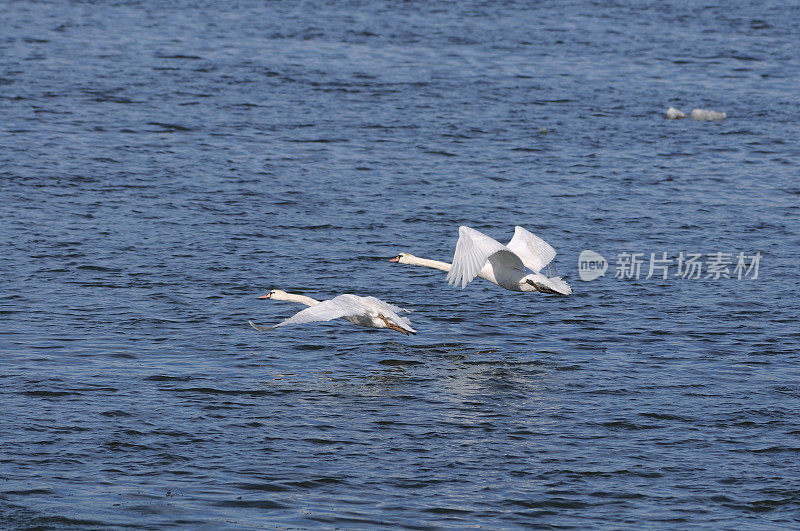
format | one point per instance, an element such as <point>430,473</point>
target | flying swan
<point>479,255</point>
<point>363,311</point>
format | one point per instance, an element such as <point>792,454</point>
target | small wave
<point>178,56</point>
<point>228,392</point>
<point>549,503</point>
<point>254,504</point>
<point>439,152</point>
<point>774,450</point>
<point>51,394</point>
<point>261,487</point>
<point>28,492</point>
<point>665,416</point>
<point>315,483</point>
<point>170,128</point>
<point>115,413</point>
<point>318,140</point>
<point>121,446</point>
<point>327,442</point>
<point>446,510</point>
<point>399,363</point>
<point>166,378</point>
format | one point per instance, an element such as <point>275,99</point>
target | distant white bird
<point>675,114</point>
<point>702,115</point>
<point>363,311</point>
<point>708,116</point>
<point>479,255</point>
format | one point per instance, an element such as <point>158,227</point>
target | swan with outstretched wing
<point>516,266</point>
<point>363,311</point>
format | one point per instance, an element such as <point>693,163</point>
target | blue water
<point>162,166</point>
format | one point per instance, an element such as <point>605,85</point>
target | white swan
<point>479,255</point>
<point>363,311</point>
<point>703,115</point>
<point>675,114</point>
<point>708,116</point>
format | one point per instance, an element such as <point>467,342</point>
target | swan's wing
<point>341,306</point>
<point>472,251</point>
<point>392,307</point>
<point>534,252</point>
<point>390,311</point>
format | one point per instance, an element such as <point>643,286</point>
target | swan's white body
<point>479,255</point>
<point>363,311</point>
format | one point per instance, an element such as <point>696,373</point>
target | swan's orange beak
<point>265,296</point>
<point>395,259</point>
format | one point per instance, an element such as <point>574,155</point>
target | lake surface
<point>163,166</point>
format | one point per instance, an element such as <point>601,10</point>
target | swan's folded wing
<point>390,311</point>
<point>534,252</point>
<point>340,306</point>
<point>404,322</point>
<point>392,307</point>
<point>472,251</point>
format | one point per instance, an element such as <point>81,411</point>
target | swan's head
<point>274,294</point>
<point>403,258</point>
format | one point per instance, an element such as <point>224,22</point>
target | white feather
<point>473,249</point>
<point>534,252</point>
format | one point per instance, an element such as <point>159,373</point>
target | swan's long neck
<point>293,297</point>
<point>435,264</point>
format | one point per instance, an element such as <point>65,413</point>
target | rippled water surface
<point>161,166</point>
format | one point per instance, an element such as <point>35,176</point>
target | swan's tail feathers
<point>404,329</point>
<point>407,325</point>
<point>392,326</point>
<point>261,328</point>
<point>552,285</point>
<point>559,285</point>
